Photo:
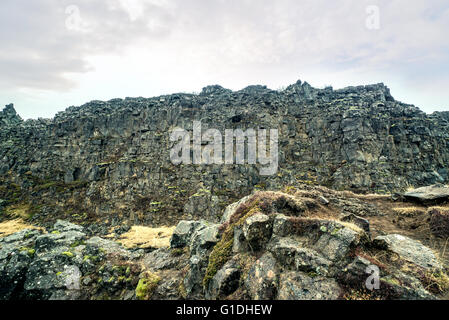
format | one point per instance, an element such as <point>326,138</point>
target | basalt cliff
<point>92,207</point>
<point>111,160</point>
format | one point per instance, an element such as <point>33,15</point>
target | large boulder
<point>409,250</point>
<point>434,193</point>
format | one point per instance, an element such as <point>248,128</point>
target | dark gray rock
<point>263,277</point>
<point>183,233</point>
<point>225,281</point>
<point>257,231</point>
<point>299,286</point>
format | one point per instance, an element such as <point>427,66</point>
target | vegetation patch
<point>12,226</point>
<point>145,237</point>
<point>147,285</point>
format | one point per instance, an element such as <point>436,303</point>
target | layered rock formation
<point>111,159</point>
<point>288,245</point>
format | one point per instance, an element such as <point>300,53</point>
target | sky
<point>59,53</point>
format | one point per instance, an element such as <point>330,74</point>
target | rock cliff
<point>109,160</point>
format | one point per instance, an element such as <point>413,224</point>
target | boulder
<point>183,233</point>
<point>433,193</point>
<point>225,281</point>
<point>257,231</point>
<point>262,280</point>
<point>409,250</point>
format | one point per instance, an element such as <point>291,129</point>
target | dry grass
<point>21,211</point>
<point>12,226</point>
<point>409,211</point>
<point>145,237</point>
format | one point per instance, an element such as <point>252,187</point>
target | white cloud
<point>147,47</point>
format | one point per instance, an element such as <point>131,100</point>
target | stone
<point>336,241</point>
<point>230,210</point>
<point>262,280</point>
<point>225,281</point>
<point>299,286</point>
<point>257,231</point>
<point>358,221</point>
<point>410,250</point>
<point>437,192</point>
<point>182,235</point>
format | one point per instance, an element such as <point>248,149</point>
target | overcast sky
<point>58,53</point>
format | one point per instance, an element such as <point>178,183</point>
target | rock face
<point>67,265</point>
<point>271,245</point>
<point>300,257</point>
<point>112,158</point>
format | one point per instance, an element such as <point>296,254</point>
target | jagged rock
<point>336,241</point>
<point>230,210</point>
<point>353,138</point>
<point>410,250</point>
<point>225,281</point>
<point>435,192</point>
<point>299,286</point>
<point>204,238</point>
<point>291,253</point>
<point>257,230</point>
<point>52,240</point>
<point>64,226</point>
<point>281,225</point>
<point>160,259</point>
<point>182,235</point>
<point>263,277</point>
<point>405,287</point>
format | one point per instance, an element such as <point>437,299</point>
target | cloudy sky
<point>58,53</point>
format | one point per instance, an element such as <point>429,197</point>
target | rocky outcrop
<point>269,245</point>
<point>111,158</point>
<point>65,264</point>
<point>262,254</point>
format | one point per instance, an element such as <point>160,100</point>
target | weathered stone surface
<point>335,241</point>
<point>299,286</point>
<point>435,192</point>
<point>114,156</point>
<point>262,280</point>
<point>183,233</point>
<point>257,230</point>
<point>225,282</point>
<point>410,250</point>
<point>230,210</point>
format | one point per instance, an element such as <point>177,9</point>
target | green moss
<point>56,232</point>
<point>30,251</point>
<point>68,254</point>
<point>146,286</point>
<point>222,251</point>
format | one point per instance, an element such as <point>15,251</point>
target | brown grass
<point>145,237</point>
<point>12,226</point>
<point>409,211</point>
